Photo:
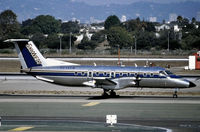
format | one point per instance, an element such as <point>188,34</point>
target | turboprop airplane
<point>109,78</point>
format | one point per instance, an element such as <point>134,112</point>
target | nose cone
<point>191,84</point>
<point>182,83</point>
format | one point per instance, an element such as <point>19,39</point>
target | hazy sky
<point>106,2</point>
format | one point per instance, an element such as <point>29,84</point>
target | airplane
<point>108,78</point>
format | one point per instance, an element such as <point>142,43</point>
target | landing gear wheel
<point>113,93</point>
<point>105,94</point>
<point>109,94</point>
<point>175,94</point>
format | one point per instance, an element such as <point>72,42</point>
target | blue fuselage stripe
<point>101,71</point>
<point>94,75</point>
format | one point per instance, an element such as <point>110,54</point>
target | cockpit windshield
<point>168,72</point>
<point>163,73</point>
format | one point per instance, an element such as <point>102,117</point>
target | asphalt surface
<point>181,114</point>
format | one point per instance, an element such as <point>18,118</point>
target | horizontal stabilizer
<point>52,62</point>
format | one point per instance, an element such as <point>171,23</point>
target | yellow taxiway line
<point>91,104</point>
<point>21,129</point>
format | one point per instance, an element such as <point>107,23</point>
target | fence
<point>111,52</point>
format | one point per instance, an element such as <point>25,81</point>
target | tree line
<point>147,38</point>
<point>46,32</point>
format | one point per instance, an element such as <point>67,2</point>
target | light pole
<point>131,49</point>
<point>60,35</point>
<point>135,44</point>
<point>168,42</point>
<point>118,55</point>
<point>70,43</point>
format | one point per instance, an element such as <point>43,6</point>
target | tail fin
<point>30,56</point>
<point>28,53</point>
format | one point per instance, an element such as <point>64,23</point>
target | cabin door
<point>90,75</point>
<point>112,74</point>
<point>162,80</point>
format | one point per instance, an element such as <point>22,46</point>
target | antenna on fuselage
<point>135,64</point>
<point>147,63</point>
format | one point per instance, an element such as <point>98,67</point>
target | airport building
<point>194,61</point>
<point>198,16</point>
<point>172,17</point>
<point>153,19</point>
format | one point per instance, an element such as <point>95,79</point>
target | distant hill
<point>67,9</point>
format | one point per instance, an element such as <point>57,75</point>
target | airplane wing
<point>95,82</point>
<point>105,81</point>
<point>116,83</point>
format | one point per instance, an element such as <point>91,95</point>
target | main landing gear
<point>109,93</point>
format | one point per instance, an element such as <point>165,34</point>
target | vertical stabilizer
<point>28,53</point>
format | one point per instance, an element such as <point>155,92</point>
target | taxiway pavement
<point>181,114</point>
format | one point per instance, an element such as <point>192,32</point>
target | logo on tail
<point>35,57</point>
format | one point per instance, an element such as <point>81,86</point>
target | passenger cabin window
<point>125,74</point>
<point>145,74</point>
<point>136,74</point>
<point>151,74</point>
<point>82,73</point>
<point>104,73</point>
<point>97,73</point>
<point>121,74</point>
<point>76,73</point>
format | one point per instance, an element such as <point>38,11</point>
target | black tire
<point>113,94</point>
<point>175,96</point>
<point>105,94</point>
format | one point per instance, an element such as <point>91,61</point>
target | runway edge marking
<point>91,104</point>
<point>21,128</point>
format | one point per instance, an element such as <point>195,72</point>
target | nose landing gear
<point>175,95</point>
